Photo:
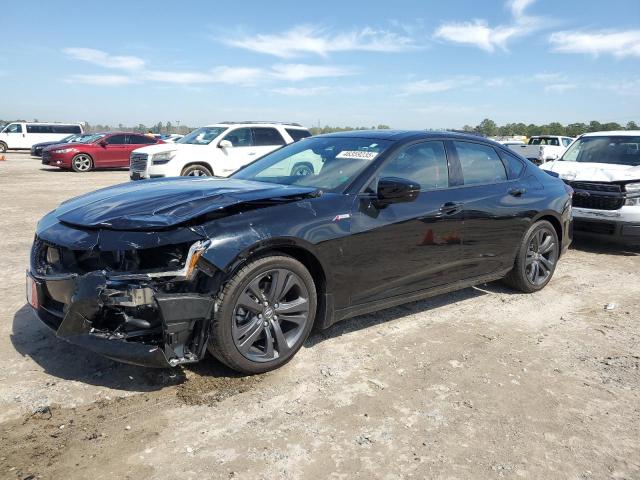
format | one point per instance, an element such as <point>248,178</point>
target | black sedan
<point>158,272</point>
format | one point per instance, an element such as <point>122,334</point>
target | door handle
<point>517,192</point>
<point>251,153</point>
<point>451,208</point>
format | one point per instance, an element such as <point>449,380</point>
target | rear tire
<point>536,259</point>
<point>302,170</point>
<point>82,163</point>
<point>3,147</point>
<point>197,171</point>
<point>263,315</point>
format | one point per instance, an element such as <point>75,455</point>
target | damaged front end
<point>149,307</point>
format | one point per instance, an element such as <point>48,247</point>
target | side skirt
<point>382,304</point>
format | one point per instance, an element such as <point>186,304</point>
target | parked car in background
<point>604,170</point>
<point>23,135</point>
<point>512,144</point>
<point>38,148</point>
<point>155,273</point>
<point>544,148</point>
<point>218,149</point>
<point>105,150</point>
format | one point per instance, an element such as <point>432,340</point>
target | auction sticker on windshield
<point>357,154</point>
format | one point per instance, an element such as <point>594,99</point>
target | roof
<point>617,133</point>
<point>397,135</point>
<point>256,122</point>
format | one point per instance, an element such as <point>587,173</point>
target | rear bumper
<point>173,332</point>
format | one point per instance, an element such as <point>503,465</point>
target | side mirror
<point>397,190</point>
<point>103,143</point>
<point>225,144</point>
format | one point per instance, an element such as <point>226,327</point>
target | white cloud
<point>223,74</point>
<point>309,39</point>
<point>98,57</point>
<point>560,87</point>
<point>618,43</point>
<point>480,34</point>
<point>430,86</point>
<point>102,80</point>
<point>546,77</point>
<point>295,72</point>
<point>302,92</point>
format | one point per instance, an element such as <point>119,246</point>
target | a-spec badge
<point>342,216</point>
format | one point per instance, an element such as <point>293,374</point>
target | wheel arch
<point>555,221</point>
<point>201,163</point>
<point>293,247</point>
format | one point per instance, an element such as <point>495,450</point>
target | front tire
<point>263,315</point>
<point>536,259</point>
<point>82,163</point>
<point>197,171</point>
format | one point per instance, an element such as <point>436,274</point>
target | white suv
<point>603,168</point>
<point>218,149</point>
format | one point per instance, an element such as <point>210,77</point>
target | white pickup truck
<point>603,168</point>
<point>543,148</point>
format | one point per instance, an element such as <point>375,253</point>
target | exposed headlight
<point>163,157</point>
<point>65,150</point>
<point>632,187</point>
<point>633,190</point>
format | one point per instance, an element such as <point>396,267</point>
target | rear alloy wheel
<point>3,147</point>
<point>196,171</point>
<point>81,163</point>
<point>264,315</point>
<point>301,170</point>
<point>536,259</point>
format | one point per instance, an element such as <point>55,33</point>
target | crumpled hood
<point>163,203</point>
<point>593,172</point>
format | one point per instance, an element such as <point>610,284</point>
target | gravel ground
<point>482,383</point>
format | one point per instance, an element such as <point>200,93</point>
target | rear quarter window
<point>296,134</point>
<point>513,164</point>
<point>267,137</point>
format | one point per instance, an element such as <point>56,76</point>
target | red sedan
<point>104,150</point>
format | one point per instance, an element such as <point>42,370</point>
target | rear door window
<point>241,137</point>
<point>267,137</point>
<point>480,163</point>
<point>141,140</point>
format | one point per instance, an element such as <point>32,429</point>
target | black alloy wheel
<point>264,314</point>
<point>536,260</point>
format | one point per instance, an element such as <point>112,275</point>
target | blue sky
<point>408,64</point>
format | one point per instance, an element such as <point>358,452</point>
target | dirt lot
<point>483,383</point>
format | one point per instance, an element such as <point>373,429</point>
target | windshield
<point>87,138</point>
<point>620,150</point>
<point>202,136</point>
<point>328,163</point>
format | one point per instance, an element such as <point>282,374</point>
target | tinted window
<point>141,140</point>
<point>297,134</point>
<point>13,128</point>
<point>515,166</point>
<point>38,129</point>
<point>267,137</point>
<point>117,140</point>
<point>64,128</point>
<point>425,163</point>
<point>240,137</point>
<point>480,163</point>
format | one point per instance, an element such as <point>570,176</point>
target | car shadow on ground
<point>598,246</point>
<point>63,360</point>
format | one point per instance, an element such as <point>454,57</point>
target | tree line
<point>489,128</point>
<point>486,127</point>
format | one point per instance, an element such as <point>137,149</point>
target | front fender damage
<point>134,322</point>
